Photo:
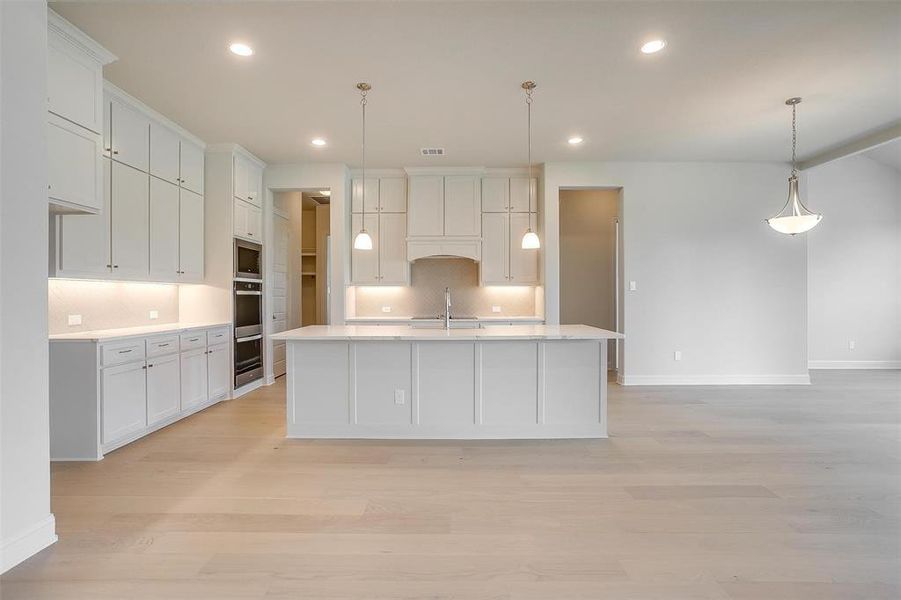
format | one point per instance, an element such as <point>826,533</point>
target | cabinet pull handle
<point>144,367</point>
<point>125,351</point>
<point>193,339</point>
<point>115,152</point>
<point>151,366</point>
<point>115,266</point>
<point>163,345</point>
<point>107,149</point>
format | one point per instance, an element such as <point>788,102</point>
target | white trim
<point>120,94</point>
<point>28,543</point>
<point>377,173</point>
<point>76,36</point>
<point>854,364</point>
<point>509,172</point>
<point>714,379</point>
<point>247,388</point>
<point>476,171</point>
<point>238,149</point>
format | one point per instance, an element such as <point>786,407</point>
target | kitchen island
<point>513,382</point>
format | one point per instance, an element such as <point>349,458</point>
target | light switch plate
<point>386,309</point>
<point>633,285</point>
<point>398,397</point>
<point>495,309</point>
<point>74,320</point>
<point>677,355</point>
<point>851,345</point>
<point>154,314</point>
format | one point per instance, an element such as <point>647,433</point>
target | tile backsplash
<point>425,295</point>
<point>109,304</point>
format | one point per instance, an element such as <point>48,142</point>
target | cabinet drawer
<point>158,346</point>
<point>122,352</point>
<point>217,336</point>
<point>196,339</point>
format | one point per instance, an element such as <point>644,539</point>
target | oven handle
<point>249,338</point>
<point>244,293</point>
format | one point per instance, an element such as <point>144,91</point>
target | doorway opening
<point>590,261</point>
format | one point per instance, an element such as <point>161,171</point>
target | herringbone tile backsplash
<point>425,296</point>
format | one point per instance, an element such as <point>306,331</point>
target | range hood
<point>443,247</point>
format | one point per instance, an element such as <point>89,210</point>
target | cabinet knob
<point>115,152</point>
<point>144,367</point>
<point>115,266</point>
<point>107,149</point>
<point>109,266</point>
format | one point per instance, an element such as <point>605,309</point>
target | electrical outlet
<point>677,355</point>
<point>386,309</point>
<point>633,285</point>
<point>398,397</point>
<point>495,309</point>
<point>154,314</point>
<point>74,320</point>
<point>851,345</point>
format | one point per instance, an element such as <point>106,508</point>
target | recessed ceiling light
<point>241,49</point>
<point>653,46</point>
<point>325,192</point>
<point>575,140</point>
<point>318,142</point>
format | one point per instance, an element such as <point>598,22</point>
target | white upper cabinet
<point>494,268</point>
<point>129,135</point>
<point>248,221</point>
<point>130,222</point>
<point>523,263</point>
<point>392,195</point>
<point>372,195</point>
<point>164,153</point>
<point>191,166</point>
<point>519,194</point>
<point>425,211</point>
<point>85,253</point>
<point>364,264</point>
<point>462,205</point>
<point>164,229</point>
<point>393,266</point>
<point>74,166</point>
<point>495,194</point>
<point>190,236</point>
<point>248,181</point>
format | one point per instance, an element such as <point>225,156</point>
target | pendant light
<point>794,217</point>
<point>363,241</point>
<point>530,239</point>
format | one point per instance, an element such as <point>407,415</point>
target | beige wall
<point>425,295</point>
<point>587,257</point>
<point>109,304</point>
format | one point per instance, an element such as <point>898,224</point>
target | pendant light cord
<point>363,104</point>
<point>794,138</point>
<point>529,110</point>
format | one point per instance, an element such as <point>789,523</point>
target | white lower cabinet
<point>163,388</point>
<point>104,395</point>
<point>218,372</point>
<point>124,400</point>
<point>193,378</point>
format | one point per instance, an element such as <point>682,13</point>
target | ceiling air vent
<point>432,151</point>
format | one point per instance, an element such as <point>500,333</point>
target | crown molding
<point>75,36</point>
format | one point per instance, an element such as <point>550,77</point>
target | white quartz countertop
<point>405,332</point>
<point>488,319</point>
<point>104,335</point>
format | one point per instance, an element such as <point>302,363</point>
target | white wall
<point>26,524</point>
<point>854,266</point>
<point>713,281</point>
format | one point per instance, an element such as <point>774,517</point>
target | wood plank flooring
<point>736,493</point>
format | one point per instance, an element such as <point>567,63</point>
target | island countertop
<point>405,332</point>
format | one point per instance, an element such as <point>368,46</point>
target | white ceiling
<point>888,154</point>
<point>448,75</point>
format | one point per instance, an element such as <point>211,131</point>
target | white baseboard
<point>714,380</point>
<point>854,364</point>
<point>27,544</point>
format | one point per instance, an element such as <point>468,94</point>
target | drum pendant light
<point>794,217</point>
<point>530,239</point>
<point>363,241</point>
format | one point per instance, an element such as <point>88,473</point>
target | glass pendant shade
<point>530,241</point>
<point>363,241</point>
<point>794,217</point>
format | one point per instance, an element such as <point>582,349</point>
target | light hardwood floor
<point>766,493</point>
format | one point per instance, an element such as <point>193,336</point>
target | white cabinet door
<point>164,152</point>
<point>523,263</point>
<point>130,135</point>
<point>392,247</point>
<point>218,372</point>
<point>495,194</point>
<point>129,221</point>
<point>83,241</point>
<point>462,205</point>
<point>240,216</point>
<point>74,85</point>
<point>190,236</point>
<point>74,165</point>
<point>254,184</point>
<point>124,407</point>
<point>392,194</point>
<point>519,194</point>
<point>191,166</point>
<point>364,264</point>
<point>193,378</point>
<point>163,230</point>
<point>493,269</point>
<point>255,223</point>
<point>372,195</point>
<point>240,177</point>
<point>425,211</point>
<point>163,388</point>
